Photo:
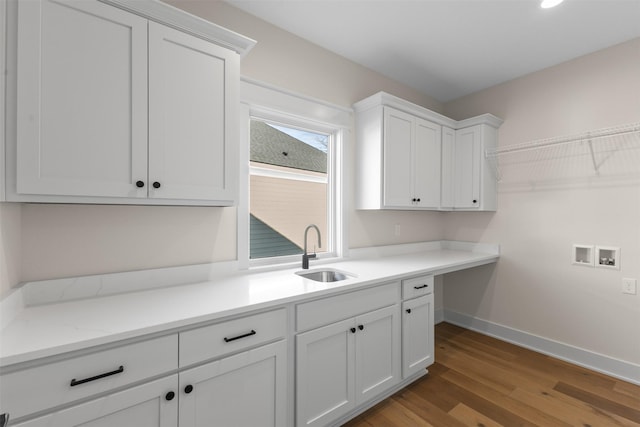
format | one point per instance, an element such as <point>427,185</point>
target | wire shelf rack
<point>609,152</point>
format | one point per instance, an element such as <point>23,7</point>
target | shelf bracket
<point>593,158</point>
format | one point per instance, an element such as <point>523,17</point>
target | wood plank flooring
<point>484,382</point>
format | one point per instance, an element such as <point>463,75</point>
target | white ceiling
<point>451,48</point>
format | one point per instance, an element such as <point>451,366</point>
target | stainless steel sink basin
<point>325,275</point>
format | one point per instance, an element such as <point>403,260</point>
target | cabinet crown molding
<point>386,99</point>
<point>166,14</point>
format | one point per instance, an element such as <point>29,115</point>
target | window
<point>281,194</point>
<point>290,187</point>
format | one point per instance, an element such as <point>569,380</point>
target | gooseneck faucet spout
<point>305,255</point>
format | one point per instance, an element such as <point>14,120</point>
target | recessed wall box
<point>583,255</point>
<point>607,257</point>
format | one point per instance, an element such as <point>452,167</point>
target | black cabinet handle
<point>413,200</point>
<point>170,395</point>
<point>361,327</point>
<point>353,330</point>
<point>188,389</point>
<point>408,311</point>
<point>156,184</point>
<point>418,199</point>
<point>139,184</point>
<point>75,382</point>
<point>248,334</point>
<point>420,287</point>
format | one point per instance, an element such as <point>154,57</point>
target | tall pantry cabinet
<point>121,107</point>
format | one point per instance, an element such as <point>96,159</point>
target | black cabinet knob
<point>170,395</point>
<point>188,389</point>
<point>408,310</point>
<point>353,330</point>
<point>361,327</point>
<point>140,184</point>
<point>475,201</point>
<point>156,184</point>
<point>417,200</point>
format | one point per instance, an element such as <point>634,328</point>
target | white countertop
<point>35,331</point>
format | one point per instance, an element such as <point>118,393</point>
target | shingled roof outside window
<point>274,147</point>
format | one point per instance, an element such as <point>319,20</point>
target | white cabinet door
<point>468,147</point>
<point>244,390</point>
<point>426,164</point>
<point>448,167</point>
<point>417,335</point>
<point>325,375</point>
<point>82,104</point>
<point>399,130</point>
<point>147,405</point>
<point>411,161</point>
<point>377,352</point>
<point>192,118</point>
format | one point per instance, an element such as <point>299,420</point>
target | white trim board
<point>621,369</point>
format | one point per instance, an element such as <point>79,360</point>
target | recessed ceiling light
<point>546,4</point>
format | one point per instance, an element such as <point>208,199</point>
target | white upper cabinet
<point>408,157</point>
<point>471,183</point>
<point>113,107</point>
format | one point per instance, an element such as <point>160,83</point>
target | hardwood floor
<point>484,382</point>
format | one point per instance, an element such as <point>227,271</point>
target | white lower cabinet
<point>154,404</point>
<point>231,373</point>
<point>417,325</point>
<point>244,390</point>
<point>417,335</point>
<point>344,364</point>
<point>351,349</point>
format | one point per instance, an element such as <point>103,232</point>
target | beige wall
<point>10,246</point>
<point>534,287</point>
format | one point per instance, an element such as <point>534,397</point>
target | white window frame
<point>264,102</point>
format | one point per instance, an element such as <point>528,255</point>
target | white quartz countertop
<point>49,329</point>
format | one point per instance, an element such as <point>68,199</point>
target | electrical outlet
<point>629,286</point>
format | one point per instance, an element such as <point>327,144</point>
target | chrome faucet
<point>305,256</point>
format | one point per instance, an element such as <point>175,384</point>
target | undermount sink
<point>325,275</point>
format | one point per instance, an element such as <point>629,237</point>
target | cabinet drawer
<point>47,386</point>
<point>417,286</point>
<point>216,340</point>
<point>328,310</point>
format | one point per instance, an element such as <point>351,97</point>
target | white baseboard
<point>621,369</point>
<point>438,316</point>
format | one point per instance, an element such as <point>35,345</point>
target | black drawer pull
<point>75,382</point>
<point>408,311</point>
<point>248,334</point>
<point>421,287</point>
